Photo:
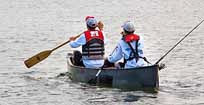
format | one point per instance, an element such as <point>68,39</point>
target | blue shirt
<point>88,63</point>
<point>123,50</point>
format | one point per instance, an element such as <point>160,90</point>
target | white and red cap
<point>91,21</point>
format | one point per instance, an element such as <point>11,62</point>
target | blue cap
<point>91,22</point>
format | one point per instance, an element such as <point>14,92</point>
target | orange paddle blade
<point>37,58</point>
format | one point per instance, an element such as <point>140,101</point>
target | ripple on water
<point>42,25</point>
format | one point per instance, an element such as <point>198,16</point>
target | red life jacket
<point>93,34</point>
<point>94,47</point>
<point>131,37</point>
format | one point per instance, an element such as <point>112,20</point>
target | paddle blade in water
<point>37,58</point>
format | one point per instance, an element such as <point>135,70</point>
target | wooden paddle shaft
<point>64,43</point>
<point>42,55</point>
<point>60,45</point>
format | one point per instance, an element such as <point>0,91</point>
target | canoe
<point>145,78</point>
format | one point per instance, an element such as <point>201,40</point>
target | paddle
<point>178,43</point>
<point>94,80</point>
<point>44,54</point>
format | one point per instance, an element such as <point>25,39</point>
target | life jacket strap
<point>136,55</point>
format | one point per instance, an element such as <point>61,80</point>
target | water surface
<point>30,26</point>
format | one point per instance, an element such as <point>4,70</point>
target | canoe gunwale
<point>80,67</point>
<point>133,78</point>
